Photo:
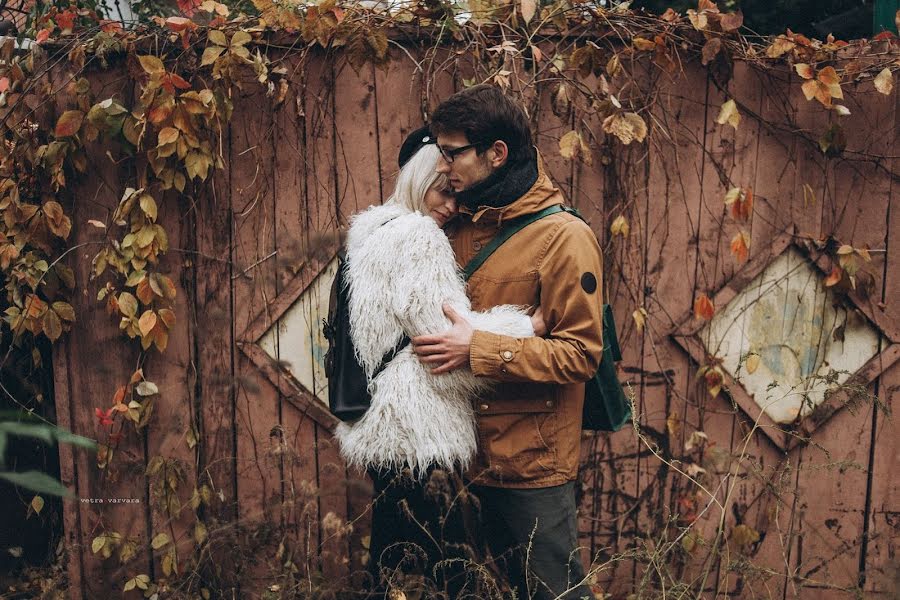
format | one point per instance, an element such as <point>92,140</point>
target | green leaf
<point>37,482</point>
<point>36,430</point>
<point>67,437</point>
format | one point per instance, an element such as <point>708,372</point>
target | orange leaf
<point>65,20</point>
<point>34,306</point>
<point>703,307</point>
<point>180,24</point>
<point>4,84</point>
<point>834,277</point>
<point>42,36</point>
<point>119,395</point>
<point>740,246</point>
<point>144,291</point>
<point>161,112</point>
<point>828,76</point>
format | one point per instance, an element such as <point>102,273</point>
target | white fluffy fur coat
<point>400,269</point>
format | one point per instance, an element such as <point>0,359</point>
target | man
<point>530,428</point>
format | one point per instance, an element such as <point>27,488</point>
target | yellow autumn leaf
<point>752,363</point>
<point>572,145</point>
<point>804,70</point>
<point>620,226</point>
<point>147,322</point>
<point>151,64</point>
<point>729,114</point>
<point>98,543</point>
<point>884,82</point>
<point>643,43</point>
<point>37,504</point>
<point>160,540</point>
<point>744,535</point>
<point>782,45</point>
<point>628,127</point>
<point>640,318</point>
<point>673,423</point>
<point>200,533</point>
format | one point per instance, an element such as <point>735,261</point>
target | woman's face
<point>440,205</point>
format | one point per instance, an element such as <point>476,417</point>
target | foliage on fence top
<point>187,67</point>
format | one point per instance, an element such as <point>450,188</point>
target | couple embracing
<point>472,437</point>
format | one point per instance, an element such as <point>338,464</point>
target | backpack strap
<point>391,354</point>
<point>510,229</point>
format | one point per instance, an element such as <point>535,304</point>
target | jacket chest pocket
<point>487,291</point>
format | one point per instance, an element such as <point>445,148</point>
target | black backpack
<point>348,395</point>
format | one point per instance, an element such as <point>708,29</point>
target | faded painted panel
<point>806,340</point>
<point>300,335</point>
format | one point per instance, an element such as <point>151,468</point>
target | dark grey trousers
<point>533,534</point>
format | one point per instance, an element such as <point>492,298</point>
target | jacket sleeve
<point>571,275</point>
<point>424,275</point>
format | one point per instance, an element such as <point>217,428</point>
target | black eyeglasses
<point>451,153</point>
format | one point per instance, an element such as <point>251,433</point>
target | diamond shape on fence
<point>812,351</point>
<point>286,343</point>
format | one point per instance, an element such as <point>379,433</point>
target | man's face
<point>468,167</point>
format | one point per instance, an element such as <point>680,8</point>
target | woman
<point>400,270</point>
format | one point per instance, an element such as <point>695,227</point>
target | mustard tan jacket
<point>529,427</point>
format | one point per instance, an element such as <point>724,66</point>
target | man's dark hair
<point>485,115</point>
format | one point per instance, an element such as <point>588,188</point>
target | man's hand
<point>448,350</point>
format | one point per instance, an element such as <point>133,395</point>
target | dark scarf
<point>504,186</point>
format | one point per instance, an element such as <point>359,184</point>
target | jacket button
<point>507,355</point>
<point>484,407</point>
<point>477,246</point>
<point>549,403</point>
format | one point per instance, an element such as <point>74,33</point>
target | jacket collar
<point>541,195</point>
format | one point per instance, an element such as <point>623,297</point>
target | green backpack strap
<point>510,229</point>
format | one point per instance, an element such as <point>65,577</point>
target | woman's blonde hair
<point>416,177</point>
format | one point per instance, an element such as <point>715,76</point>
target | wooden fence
<point>247,254</point>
